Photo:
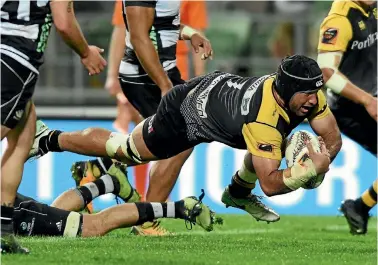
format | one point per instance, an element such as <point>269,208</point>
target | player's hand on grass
<point>371,108</point>
<point>199,41</point>
<point>93,60</point>
<point>321,160</point>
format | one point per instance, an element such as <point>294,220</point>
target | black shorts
<point>32,218</point>
<point>165,133</point>
<point>17,88</point>
<point>356,123</point>
<point>143,94</point>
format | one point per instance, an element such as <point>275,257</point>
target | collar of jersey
<point>269,89</point>
<point>357,6</point>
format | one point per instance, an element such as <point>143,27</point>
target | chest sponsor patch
<point>330,36</point>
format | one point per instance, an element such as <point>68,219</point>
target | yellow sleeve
<point>263,140</point>
<point>335,34</point>
<point>322,109</point>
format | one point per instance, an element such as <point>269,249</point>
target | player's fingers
<point>310,148</point>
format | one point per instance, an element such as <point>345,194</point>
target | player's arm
<point>116,50</point>
<point>197,40</point>
<point>264,143</point>
<point>324,125</point>
<point>69,29</point>
<point>335,35</point>
<point>140,17</point>
<point>196,14</point>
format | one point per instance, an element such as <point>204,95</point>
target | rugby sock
<point>6,219</point>
<point>242,183</point>
<point>105,184</point>
<point>149,211</point>
<point>368,199</point>
<point>50,142</point>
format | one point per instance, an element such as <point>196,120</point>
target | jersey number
<point>23,9</point>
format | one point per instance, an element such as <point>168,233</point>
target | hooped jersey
<point>25,27</point>
<point>164,34</point>
<point>243,113</point>
<point>352,30</point>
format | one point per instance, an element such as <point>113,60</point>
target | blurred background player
<point>348,58</point>
<point>25,27</point>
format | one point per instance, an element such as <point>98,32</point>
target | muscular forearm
<point>273,184</point>
<point>333,143</point>
<point>116,50</point>
<point>150,62</point>
<point>355,94</point>
<point>68,27</point>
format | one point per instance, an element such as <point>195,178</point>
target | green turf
<point>241,240</point>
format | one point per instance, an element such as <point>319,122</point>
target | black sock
<point>237,190</point>
<point>361,206</point>
<point>105,184</point>
<point>6,219</point>
<point>49,143</point>
<point>149,211</point>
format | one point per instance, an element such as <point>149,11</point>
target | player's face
<point>301,103</point>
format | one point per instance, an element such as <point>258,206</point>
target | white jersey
<point>164,34</point>
<point>25,27</point>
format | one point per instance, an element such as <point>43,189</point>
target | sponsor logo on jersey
<point>362,25</point>
<point>370,40</point>
<point>330,36</point>
<point>23,226</point>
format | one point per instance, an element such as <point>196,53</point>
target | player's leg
<point>238,193</point>
<point>113,181</point>
<point>18,126</point>
<point>357,211</point>
<point>357,124</point>
<point>20,140</point>
<point>190,209</point>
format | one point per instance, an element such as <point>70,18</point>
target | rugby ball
<point>296,151</point>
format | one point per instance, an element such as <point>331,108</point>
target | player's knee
<point>124,144</point>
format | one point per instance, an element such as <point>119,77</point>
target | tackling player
<point>348,58</point>
<point>25,27</point>
<point>246,113</point>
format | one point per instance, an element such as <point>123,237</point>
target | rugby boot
<point>126,192</point>
<point>41,130</point>
<point>82,173</point>
<point>357,220</point>
<point>195,212</point>
<point>150,229</point>
<point>252,205</point>
<point>9,244</point>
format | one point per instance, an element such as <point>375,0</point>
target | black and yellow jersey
<point>350,29</point>
<point>243,113</point>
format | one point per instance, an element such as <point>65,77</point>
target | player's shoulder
<point>340,8</point>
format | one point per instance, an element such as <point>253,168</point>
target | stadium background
<point>248,38</point>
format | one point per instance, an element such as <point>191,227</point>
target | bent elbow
<point>327,73</point>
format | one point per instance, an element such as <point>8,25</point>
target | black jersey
<point>352,30</point>
<point>242,113</point>
<point>25,27</point>
<point>164,34</point>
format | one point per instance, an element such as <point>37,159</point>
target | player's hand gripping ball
<point>296,151</point>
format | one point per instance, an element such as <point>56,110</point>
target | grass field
<point>241,240</point>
